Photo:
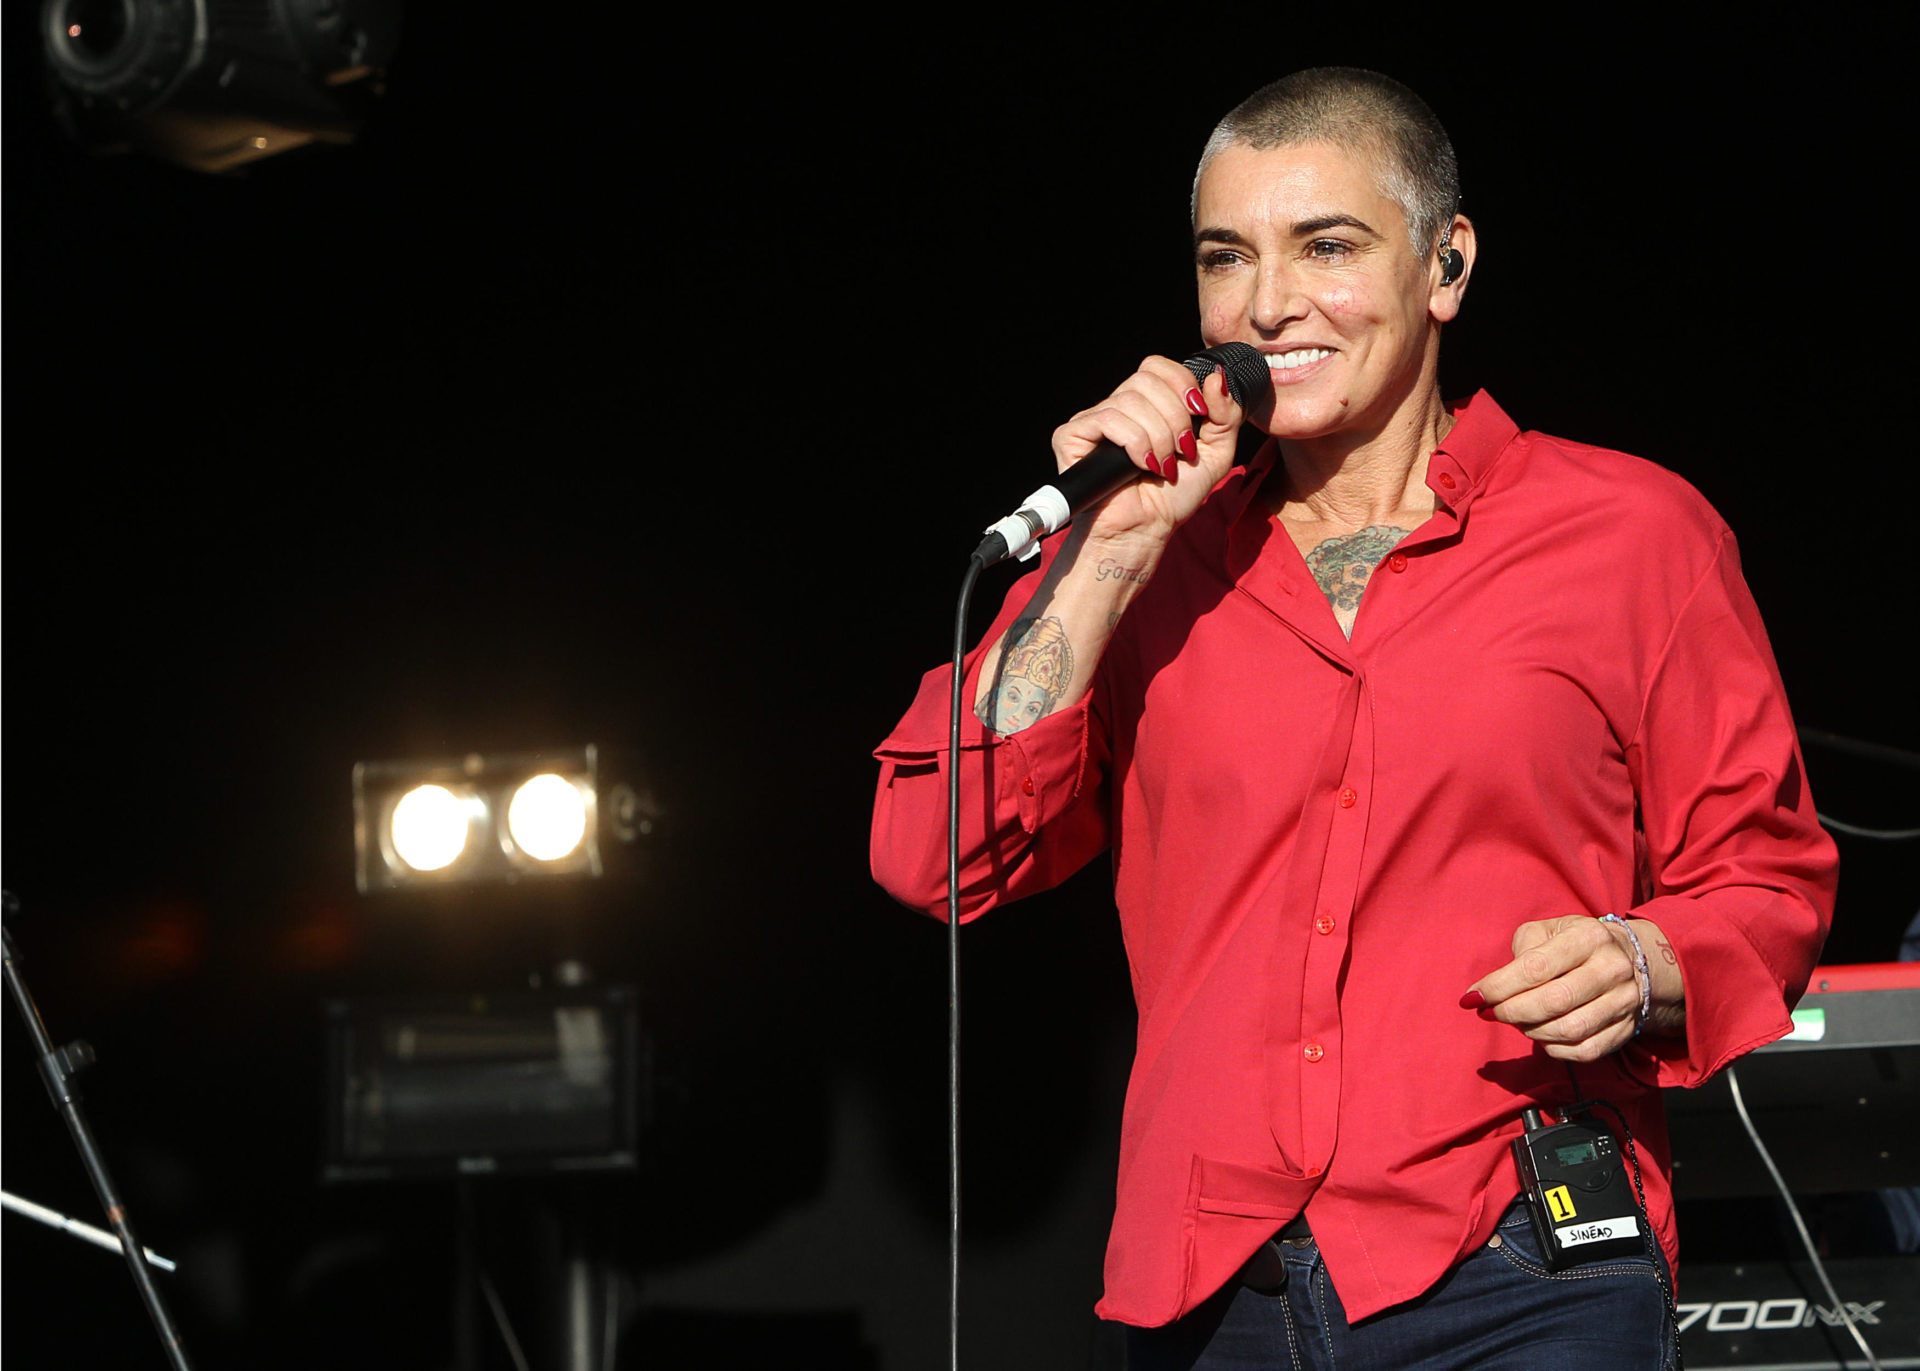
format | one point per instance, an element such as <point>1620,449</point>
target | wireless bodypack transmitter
<point>1578,1193</point>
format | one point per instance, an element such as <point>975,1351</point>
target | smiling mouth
<point>1299,357</point>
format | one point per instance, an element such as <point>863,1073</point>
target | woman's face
<point>1298,252</point>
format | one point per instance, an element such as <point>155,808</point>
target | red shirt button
<point>1398,561</point>
<point>1323,924</point>
<point>1026,786</point>
<point>1446,479</point>
<point>1311,1171</point>
<point>1313,1052</point>
<point>1348,797</point>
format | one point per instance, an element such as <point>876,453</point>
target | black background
<point>646,383</point>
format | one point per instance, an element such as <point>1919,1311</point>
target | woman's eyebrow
<point>1302,229</point>
<point>1327,221</point>
<point>1217,235</point>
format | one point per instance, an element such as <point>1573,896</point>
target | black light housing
<point>214,84</point>
<point>530,1081</point>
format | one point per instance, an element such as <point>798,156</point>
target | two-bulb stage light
<point>556,1078</point>
<point>505,817</point>
<point>431,825</point>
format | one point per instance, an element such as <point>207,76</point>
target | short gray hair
<point>1359,112</point>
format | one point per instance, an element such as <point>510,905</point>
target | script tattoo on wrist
<point>1342,566</point>
<point>1036,668</point>
<point>1107,569</point>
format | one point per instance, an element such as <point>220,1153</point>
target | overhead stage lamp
<point>505,817</point>
<point>214,84</point>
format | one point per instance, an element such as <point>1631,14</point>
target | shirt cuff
<point>1736,999</point>
<point>1036,772</point>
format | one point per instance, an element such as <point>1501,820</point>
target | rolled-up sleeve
<point>1031,812</point>
<point>1741,874</point>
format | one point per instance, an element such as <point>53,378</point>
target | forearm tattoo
<point>1341,566</point>
<point>1034,672</point>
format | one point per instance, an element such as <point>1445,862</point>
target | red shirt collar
<point>1481,432</point>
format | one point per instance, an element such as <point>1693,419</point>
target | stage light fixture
<point>214,84</point>
<point>502,817</point>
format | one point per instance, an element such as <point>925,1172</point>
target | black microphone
<point>1107,468</point>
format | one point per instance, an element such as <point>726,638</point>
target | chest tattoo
<point>1341,566</point>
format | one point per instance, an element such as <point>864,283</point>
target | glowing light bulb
<point>547,817</point>
<point>430,827</point>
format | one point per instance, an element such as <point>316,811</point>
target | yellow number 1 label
<point>1560,1202</point>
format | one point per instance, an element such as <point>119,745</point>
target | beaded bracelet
<point>1640,973</point>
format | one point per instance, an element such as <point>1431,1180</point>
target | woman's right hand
<point>1047,658</point>
<point>1151,416</point>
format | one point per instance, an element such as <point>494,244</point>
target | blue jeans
<point>1500,1309</point>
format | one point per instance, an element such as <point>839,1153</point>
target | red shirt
<point>1558,699</point>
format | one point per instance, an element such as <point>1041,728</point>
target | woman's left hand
<point>1571,986</point>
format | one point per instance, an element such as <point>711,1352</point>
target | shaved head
<point>1363,113</point>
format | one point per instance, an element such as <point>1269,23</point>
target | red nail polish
<point>1473,999</point>
<point>1153,465</point>
<point>1197,402</point>
<point>1188,448</point>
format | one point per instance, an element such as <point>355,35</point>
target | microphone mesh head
<point>1247,376</point>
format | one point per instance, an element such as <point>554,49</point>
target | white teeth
<point>1299,357</point>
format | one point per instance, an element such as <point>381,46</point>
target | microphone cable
<point>975,565</point>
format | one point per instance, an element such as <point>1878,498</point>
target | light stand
<point>58,1068</point>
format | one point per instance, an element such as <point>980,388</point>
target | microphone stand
<point>58,1068</point>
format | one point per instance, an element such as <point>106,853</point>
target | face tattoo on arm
<point>1036,669</point>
